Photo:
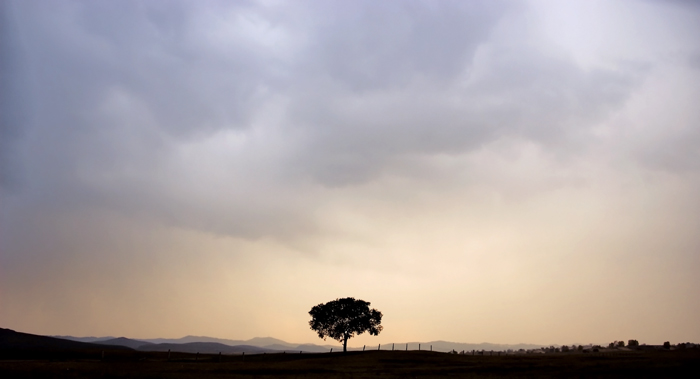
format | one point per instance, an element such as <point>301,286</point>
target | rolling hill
<point>205,348</point>
<point>123,341</point>
<point>12,340</point>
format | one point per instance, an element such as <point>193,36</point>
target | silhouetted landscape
<point>349,188</point>
<point>25,355</point>
<point>256,344</point>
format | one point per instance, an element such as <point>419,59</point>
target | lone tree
<point>341,319</point>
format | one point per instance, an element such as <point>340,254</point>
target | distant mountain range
<point>206,348</point>
<point>13,343</point>
<point>10,339</point>
<point>184,344</point>
<point>122,341</point>
<point>269,344</point>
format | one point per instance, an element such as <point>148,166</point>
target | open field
<point>371,364</point>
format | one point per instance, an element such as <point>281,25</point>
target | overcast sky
<point>496,171</point>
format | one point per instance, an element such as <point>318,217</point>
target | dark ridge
<point>205,348</point>
<point>123,341</point>
<point>17,345</point>
<point>84,339</point>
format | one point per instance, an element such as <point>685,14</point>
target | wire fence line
<point>394,347</point>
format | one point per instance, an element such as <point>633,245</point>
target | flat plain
<point>370,364</point>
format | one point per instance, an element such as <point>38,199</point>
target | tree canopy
<point>342,319</point>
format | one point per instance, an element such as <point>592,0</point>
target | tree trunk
<point>345,344</point>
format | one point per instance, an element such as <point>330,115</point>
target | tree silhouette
<point>342,319</point>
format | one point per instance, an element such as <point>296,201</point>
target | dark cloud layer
<point>111,88</point>
<point>107,93</point>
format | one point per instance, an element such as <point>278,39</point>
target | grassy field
<point>371,364</point>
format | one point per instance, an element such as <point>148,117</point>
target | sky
<point>479,171</point>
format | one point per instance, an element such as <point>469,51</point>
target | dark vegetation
<point>342,319</point>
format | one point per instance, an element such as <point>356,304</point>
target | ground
<point>372,364</point>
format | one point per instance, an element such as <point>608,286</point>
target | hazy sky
<point>516,171</point>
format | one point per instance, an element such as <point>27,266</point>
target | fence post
<point>243,359</point>
<point>168,354</point>
<point>431,347</point>
<point>331,349</point>
<point>363,347</point>
<point>418,347</point>
<point>379,347</point>
<point>392,347</point>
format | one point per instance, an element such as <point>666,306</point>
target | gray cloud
<point>365,47</point>
<point>359,88</point>
<point>13,97</point>
<point>128,82</point>
<point>513,92</point>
